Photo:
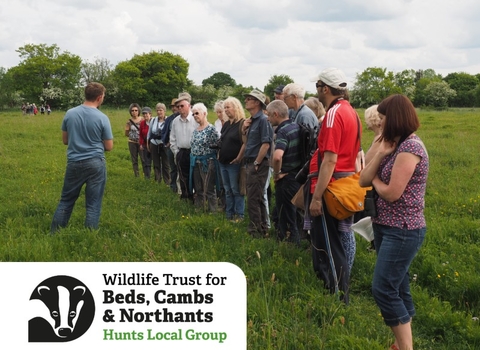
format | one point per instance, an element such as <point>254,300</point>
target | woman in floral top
<point>203,159</point>
<point>132,131</point>
<point>398,171</point>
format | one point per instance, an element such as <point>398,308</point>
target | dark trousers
<point>204,184</point>
<point>173,170</point>
<point>146,157</point>
<point>257,211</point>
<point>134,149</point>
<point>329,257</point>
<point>161,163</point>
<point>183,168</point>
<point>285,211</point>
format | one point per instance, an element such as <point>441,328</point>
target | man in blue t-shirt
<point>88,134</point>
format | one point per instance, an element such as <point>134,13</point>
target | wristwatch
<point>256,163</point>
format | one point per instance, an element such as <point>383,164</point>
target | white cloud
<point>252,40</point>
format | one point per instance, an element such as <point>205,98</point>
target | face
<point>289,100</point>
<point>250,102</point>
<point>382,120</point>
<point>147,115</point>
<point>272,117</point>
<point>183,108</point>
<point>219,113</point>
<point>321,89</point>
<point>161,112</point>
<point>279,96</point>
<point>134,112</point>
<point>228,108</point>
<point>199,116</point>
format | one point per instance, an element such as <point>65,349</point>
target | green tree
<point>219,79</point>
<point>465,86</point>
<point>423,79</point>
<point>273,82</point>
<point>9,97</point>
<point>372,86</point>
<point>45,67</point>
<point>437,94</point>
<point>405,80</point>
<point>150,78</point>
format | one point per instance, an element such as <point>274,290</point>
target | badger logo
<point>62,310</point>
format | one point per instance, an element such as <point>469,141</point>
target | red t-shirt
<point>339,134</point>
<point>143,133</point>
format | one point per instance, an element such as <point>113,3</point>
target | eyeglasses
<point>180,106</point>
<point>134,110</point>
<point>318,85</point>
<point>249,98</point>
<point>196,113</point>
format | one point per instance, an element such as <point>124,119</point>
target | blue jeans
<point>93,173</point>
<point>234,201</point>
<point>396,248</point>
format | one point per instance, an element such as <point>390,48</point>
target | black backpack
<point>308,142</point>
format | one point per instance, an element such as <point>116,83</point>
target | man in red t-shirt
<point>338,143</point>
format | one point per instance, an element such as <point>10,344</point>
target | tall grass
<point>287,306</point>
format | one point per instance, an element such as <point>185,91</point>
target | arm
<point>173,140</point>
<point>262,152</point>
<point>382,150</point>
<point>108,144</point>
<point>372,150</point>
<point>402,172</point>
<point>65,137</point>
<point>277,164</point>
<point>324,175</point>
<point>127,128</point>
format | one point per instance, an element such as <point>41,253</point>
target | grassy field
<point>287,307</point>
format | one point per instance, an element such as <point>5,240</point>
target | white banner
<point>123,306</point>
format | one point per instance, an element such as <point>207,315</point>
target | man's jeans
<point>93,173</point>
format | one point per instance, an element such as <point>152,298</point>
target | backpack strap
<point>133,123</point>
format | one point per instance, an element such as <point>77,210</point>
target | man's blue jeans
<point>396,248</point>
<point>235,202</point>
<point>93,173</point>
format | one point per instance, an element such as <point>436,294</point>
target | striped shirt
<point>288,140</point>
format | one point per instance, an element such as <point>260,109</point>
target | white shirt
<point>181,134</point>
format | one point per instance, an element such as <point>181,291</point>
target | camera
<point>370,203</point>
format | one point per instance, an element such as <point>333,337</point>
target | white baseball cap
<point>333,77</point>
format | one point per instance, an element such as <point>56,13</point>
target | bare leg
<point>403,336</point>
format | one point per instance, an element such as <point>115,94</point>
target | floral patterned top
<point>201,141</point>
<point>134,132</point>
<point>407,211</point>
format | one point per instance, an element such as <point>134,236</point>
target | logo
<point>63,309</point>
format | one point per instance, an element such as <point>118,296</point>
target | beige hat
<point>174,100</point>
<point>258,95</point>
<point>333,77</point>
<point>184,96</point>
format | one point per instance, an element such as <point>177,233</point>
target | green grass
<point>287,306</point>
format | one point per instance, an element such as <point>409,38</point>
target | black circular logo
<point>65,310</point>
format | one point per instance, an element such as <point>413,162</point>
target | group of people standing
<point>31,108</point>
<point>266,144</point>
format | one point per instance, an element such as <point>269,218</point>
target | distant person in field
<point>180,137</point>
<point>132,131</point>
<point>144,151</point>
<point>398,171</point>
<point>49,110</point>
<point>157,144</point>
<point>203,160</point>
<point>286,164</point>
<point>171,158</point>
<point>87,133</point>
<point>257,155</point>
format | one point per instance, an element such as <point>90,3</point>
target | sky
<point>252,40</point>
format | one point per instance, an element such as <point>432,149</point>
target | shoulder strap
<point>240,127</point>
<point>421,144</point>
<point>133,123</point>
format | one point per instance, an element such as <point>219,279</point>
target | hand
<point>256,168</point>
<point>235,161</point>
<point>141,147</point>
<point>316,208</point>
<point>387,147</point>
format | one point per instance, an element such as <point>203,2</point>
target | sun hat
<point>174,100</point>
<point>184,96</point>
<point>279,89</point>
<point>258,95</point>
<point>146,110</point>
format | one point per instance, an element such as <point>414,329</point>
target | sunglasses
<point>134,110</point>
<point>196,113</point>
<point>318,85</point>
<point>180,106</point>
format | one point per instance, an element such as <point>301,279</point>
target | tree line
<point>48,75</point>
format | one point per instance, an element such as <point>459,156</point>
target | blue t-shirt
<point>87,128</point>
